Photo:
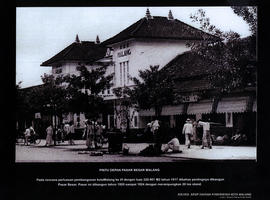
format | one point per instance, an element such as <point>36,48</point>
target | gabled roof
<point>32,87</point>
<point>189,72</point>
<point>193,85</point>
<point>78,51</point>
<point>159,27</point>
<point>188,65</point>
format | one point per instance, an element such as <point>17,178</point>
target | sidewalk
<point>216,153</point>
<point>195,152</point>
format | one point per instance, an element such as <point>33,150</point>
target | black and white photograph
<point>118,100</point>
<point>136,84</point>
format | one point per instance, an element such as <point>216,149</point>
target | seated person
<point>172,146</point>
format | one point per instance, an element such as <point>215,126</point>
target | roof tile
<point>159,27</point>
<point>83,51</point>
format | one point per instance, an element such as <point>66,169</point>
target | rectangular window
<point>120,73</point>
<point>124,74</point>
<point>114,75</point>
<point>135,121</point>
<point>127,72</point>
<point>58,71</point>
<point>108,91</point>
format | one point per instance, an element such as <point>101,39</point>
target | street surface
<point>64,152</point>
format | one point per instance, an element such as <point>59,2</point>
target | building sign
<point>124,53</point>
<point>190,98</point>
<point>37,115</point>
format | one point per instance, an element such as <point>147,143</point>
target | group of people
<point>189,130</point>
<point>93,132</point>
<point>65,131</point>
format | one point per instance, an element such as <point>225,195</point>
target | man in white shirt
<point>206,139</point>
<point>27,135</point>
<point>66,130</point>
<point>188,131</point>
<point>71,133</point>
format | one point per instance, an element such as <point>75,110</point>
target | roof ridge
<point>198,29</point>
<point>81,51</point>
<point>138,27</point>
<point>72,46</point>
<point>175,58</point>
<point>55,56</point>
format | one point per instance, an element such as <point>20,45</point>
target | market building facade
<point>155,40</point>
<point>90,54</point>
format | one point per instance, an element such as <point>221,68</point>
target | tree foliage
<point>59,95</point>
<point>234,57</point>
<point>125,107</point>
<point>49,98</point>
<point>249,14</point>
<point>83,90</point>
<point>153,89</point>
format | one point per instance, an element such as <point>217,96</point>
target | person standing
<point>27,135</point>
<point>32,134</point>
<point>66,131</point>
<point>188,131</point>
<point>206,138</point>
<point>89,132</point>
<point>59,134</point>
<point>49,136</point>
<point>84,129</point>
<point>195,136</point>
<point>98,135</point>
<point>71,134</point>
<point>156,130</point>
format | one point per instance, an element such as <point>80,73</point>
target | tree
<point>154,89</point>
<point>83,91</point>
<point>234,58</point>
<point>53,96</point>
<point>249,14</point>
<point>22,105</point>
<point>50,98</point>
<point>126,106</point>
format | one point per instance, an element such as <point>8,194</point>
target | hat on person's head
<point>188,120</point>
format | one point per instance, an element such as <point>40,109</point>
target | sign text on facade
<point>190,98</point>
<point>124,53</point>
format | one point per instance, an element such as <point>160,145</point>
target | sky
<point>42,32</point>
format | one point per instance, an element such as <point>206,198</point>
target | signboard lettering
<point>190,98</point>
<point>124,53</point>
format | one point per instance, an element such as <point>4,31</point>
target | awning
<point>232,104</point>
<point>172,110</point>
<point>254,108</point>
<point>144,113</point>
<point>201,107</point>
<point>166,110</point>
